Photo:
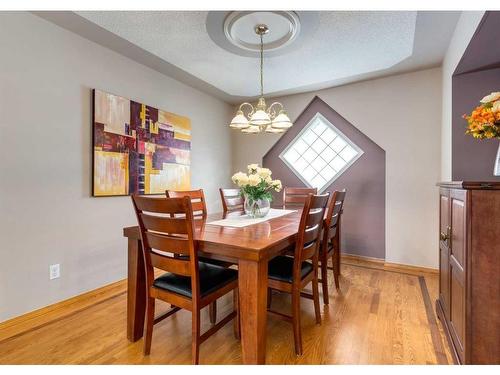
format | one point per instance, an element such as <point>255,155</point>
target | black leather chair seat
<point>281,268</point>
<point>212,277</point>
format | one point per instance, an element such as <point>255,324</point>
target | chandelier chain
<point>260,118</point>
<point>261,65</point>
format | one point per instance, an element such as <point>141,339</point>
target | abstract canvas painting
<point>138,149</point>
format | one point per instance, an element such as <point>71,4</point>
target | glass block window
<point>320,153</point>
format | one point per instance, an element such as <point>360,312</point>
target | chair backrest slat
<point>164,224</point>
<point>231,200</point>
<point>163,235</point>
<point>158,205</point>
<point>293,196</point>
<point>168,244</point>
<point>198,202</point>
<point>174,265</point>
<point>333,215</point>
<point>308,250</point>
<point>309,233</point>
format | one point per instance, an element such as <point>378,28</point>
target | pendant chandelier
<point>261,118</point>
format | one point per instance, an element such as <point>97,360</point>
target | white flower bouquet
<point>256,188</point>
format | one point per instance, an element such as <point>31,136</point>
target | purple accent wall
<point>482,51</point>
<point>363,222</point>
<point>477,75</point>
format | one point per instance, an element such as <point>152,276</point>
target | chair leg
<point>212,312</point>
<point>336,267</point>
<point>236,321</point>
<point>150,318</point>
<point>315,290</point>
<point>324,280</point>
<point>269,297</point>
<point>195,341</point>
<point>297,331</point>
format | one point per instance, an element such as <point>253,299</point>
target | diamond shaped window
<point>320,153</point>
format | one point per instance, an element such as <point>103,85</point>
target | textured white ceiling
<point>343,45</point>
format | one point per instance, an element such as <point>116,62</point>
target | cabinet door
<point>458,245</point>
<point>444,263</point>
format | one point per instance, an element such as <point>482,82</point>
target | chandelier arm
<point>246,104</point>
<point>272,111</point>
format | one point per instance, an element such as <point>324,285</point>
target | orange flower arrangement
<point>484,121</point>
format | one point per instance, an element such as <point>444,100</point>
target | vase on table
<point>256,208</point>
<point>256,187</point>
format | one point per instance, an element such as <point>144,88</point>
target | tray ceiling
<point>333,47</point>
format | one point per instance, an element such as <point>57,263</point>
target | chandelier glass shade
<point>261,118</point>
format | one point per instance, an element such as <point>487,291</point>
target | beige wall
<point>462,35</point>
<point>48,216</point>
<point>402,114</point>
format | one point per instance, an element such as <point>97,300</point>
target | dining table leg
<point>252,285</point>
<point>136,291</point>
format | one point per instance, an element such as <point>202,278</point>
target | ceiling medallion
<point>261,118</point>
<point>238,26</point>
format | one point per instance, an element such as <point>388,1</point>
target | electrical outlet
<point>54,271</point>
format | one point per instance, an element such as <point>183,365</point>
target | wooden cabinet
<point>469,267</point>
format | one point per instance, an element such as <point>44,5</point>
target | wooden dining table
<point>250,247</point>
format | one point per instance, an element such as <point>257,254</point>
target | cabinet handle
<point>446,237</point>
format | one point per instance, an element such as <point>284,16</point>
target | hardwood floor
<point>382,316</point>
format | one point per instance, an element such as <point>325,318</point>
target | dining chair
<point>197,200</point>
<point>231,200</point>
<point>330,244</point>
<point>292,274</point>
<point>199,205</point>
<point>296,196</point>
<point>187,283</point>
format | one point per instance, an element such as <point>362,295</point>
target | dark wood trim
<point>468,276</point>
<point>471,185</point>
<point>435,335</point>
<point>375,303</point>
<point>441,317</point>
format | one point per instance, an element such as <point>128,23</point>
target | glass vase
<point>496,169</point>
<point>256,208</point>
